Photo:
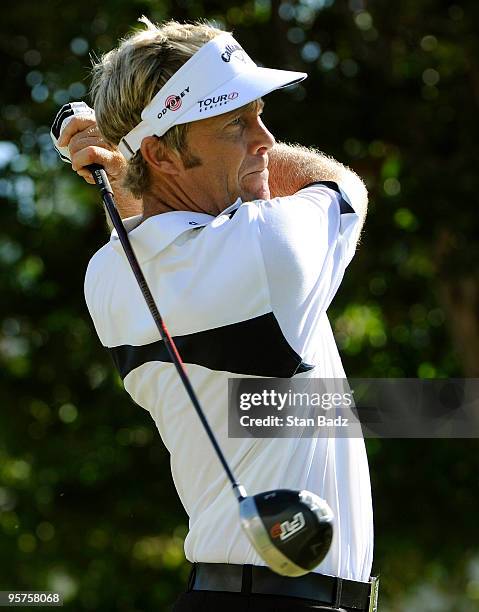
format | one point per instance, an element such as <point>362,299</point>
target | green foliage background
<point>87,504</point>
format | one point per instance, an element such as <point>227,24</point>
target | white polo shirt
<point>243,294</point>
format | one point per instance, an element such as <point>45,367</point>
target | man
<point>244,243</point>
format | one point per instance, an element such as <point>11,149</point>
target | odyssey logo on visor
<point>235,50</point>
<point>214,101</point>
<point>173,102</point>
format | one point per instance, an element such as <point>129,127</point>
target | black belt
<point>256,579</point>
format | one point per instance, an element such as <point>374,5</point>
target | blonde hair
<point>126,79</point>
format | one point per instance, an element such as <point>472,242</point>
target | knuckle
<point>90,154</point>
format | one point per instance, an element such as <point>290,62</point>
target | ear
<point>159,158</point>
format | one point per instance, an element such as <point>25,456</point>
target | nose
<point>262,140</point>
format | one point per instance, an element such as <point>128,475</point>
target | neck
<point>168,197</point>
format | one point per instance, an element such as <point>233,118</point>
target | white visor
<point>217,79</point>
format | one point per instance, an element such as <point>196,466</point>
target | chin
<point>260,191</point>
<point>264,194</point>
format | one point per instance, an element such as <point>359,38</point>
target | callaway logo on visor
<point>233,49</point>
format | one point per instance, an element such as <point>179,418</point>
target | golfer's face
<point>233,149</point>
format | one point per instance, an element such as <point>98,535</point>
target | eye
<point>237,121</point>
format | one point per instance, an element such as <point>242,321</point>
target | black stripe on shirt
<point>255,347</point>
<point>344,207</point>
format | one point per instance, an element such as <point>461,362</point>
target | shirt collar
<point>154,234</point>
<point>232,207</point>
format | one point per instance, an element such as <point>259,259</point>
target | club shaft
<point>101,180</point>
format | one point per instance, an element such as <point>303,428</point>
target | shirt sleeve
<point>307,240</point>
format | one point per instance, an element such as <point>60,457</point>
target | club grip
<point>101,179</point>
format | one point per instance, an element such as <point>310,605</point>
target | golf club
<point>291,530</point>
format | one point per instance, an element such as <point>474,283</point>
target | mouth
<point>256,171</point>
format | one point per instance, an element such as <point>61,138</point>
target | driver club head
<point>290,530</point>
